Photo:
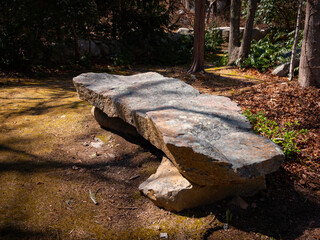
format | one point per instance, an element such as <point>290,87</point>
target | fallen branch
<point>93,196</point>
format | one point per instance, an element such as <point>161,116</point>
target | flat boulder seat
<point>210,150</point>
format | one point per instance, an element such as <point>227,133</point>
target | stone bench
<point>210,151</point>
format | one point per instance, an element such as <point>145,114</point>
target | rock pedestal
<point>167,188</point>
<point>209,143</point>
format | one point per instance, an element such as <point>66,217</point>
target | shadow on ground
<point>46,196</point>
<point>280,212</point>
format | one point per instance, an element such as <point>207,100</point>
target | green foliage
<point>184,48</point>
<point>213,40</point>
<point>135,18</point>
<point>161,50</point>
<point>228,216</point>
<point>284,136</point>
<point>221,60</point>
<point>269,51</point>
<point>29,29</point>
<point>143,33</point>
<point>31,32</point>
<point>85,60</point>
<point>277,13</point>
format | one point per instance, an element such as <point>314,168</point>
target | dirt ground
<point>49,165</point>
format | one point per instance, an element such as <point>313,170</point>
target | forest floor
<point>48,166</point>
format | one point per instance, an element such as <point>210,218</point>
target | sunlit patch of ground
<point>47,170</point>
<point>48,167</point>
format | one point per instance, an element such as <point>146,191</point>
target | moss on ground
<point>40,193</point>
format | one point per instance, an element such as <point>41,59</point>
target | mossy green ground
<point>43,192</point>
<point>48,167</point>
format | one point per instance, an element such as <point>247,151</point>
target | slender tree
<point>198,46</point>
<point>296,39</point>
<point>309,69</point>
<point>210,9</point>
<point>247,35</point>
<point>234,34</point>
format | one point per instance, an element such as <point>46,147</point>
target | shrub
<point>270,51</point>
<point>213,40</point>
<point>284,136</point>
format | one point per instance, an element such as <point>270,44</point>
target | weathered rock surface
<point>167,188</point>
<point>257,33</point>
<point>283,69</point>
<point>185,31</point>
<point>205,136</point>
<point>114,123</point>
<point>182,32</point>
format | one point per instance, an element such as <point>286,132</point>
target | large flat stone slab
<point>206,137</point>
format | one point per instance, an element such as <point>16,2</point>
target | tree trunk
<point>210,9</point>
<point>234,33</point>
<point>247,34</point>
<point>198,47</point>
<point>309,69</point>
<point>76,42</point>
<point>296,39</point>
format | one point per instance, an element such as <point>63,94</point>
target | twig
<point>93,196</point>
<point>134,177</point>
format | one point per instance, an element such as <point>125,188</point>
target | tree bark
<point>198,46</point>
<point>247,34</point>
<point>234,33</point>
<point>309,69</point>
<point>296,39</point>
<point>210,9</point>
<point>76,42</point>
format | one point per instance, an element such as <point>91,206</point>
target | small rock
<point>63,116</point>
<point>239,202</point>
<point>164,235</point>
<point>283,70</point>
<point>184,31</point>
<point>156,227</point>
<point>93,155</point>
<point>96,144</point>
<point>86,144</point>
<point>181,12</point>
<point>226,226</point>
